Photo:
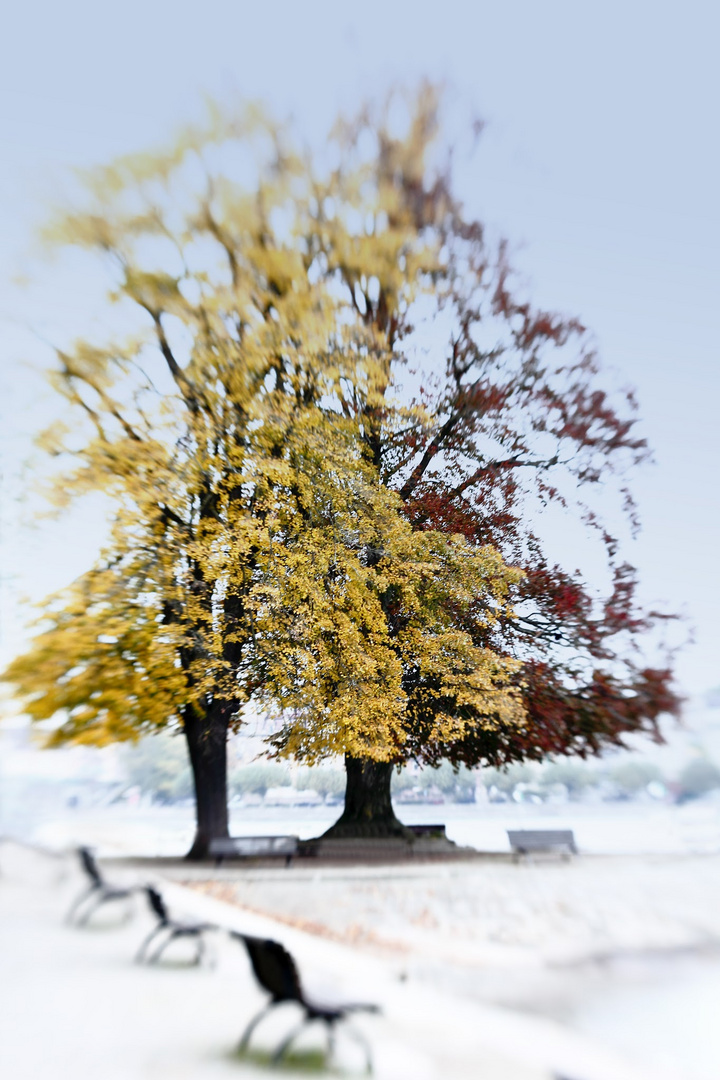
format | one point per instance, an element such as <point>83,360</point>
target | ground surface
<point>620,945</point>
<point>73,1004</point>
<point>570,941</point>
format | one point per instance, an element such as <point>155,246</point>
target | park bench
<point>528,841</point>
<point>248,847</point>
<point>422,831</point>
<point>99,890</point>
<point>174,929</point>
<point>277,973</point>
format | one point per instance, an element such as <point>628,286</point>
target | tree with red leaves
<point>511,418</point>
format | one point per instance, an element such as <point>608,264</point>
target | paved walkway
<point>73,1005</point>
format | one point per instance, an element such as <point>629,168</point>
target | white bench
<point>527,841</point>
<point>248,847</point>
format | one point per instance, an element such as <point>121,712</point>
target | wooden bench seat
<point>248,847</point>
<point>527,841</point>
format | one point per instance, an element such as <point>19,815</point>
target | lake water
<point>41,811</point>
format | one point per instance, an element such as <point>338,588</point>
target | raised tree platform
<point>425,841</point>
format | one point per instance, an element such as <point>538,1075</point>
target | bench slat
<point>249,846</point>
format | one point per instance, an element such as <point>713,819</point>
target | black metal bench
<point>174,929</point>
<point>248,847</point>
<point>422,831</point>
<point>99,890</point>
<point>528,841</point>
<point>277,973</point>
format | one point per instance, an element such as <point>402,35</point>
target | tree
<point>326,781</point>
<point>572,774</point>
<point>506,779</point>
<point>256,778</point>
<point>509,415</point>
<point>254,549</point>
<point>698,777</point>
<point>186,433</point>
<point>160,766</point>
<point>633,776</point>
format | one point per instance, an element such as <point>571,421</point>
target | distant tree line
<point>159,766</point>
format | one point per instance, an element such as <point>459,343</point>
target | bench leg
<point>288,1040</point>
<point>154,957</point>
<point>242,1045</point>
<point>330,1042</point>
<point>141,951</point>
<point>358,1038</point>
<point>83,920</point>
<point>103,898</point>
<point>77,904</point>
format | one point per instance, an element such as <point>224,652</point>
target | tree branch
<point>435,446</point>
<point>186,388</point>
<point>508,463</point>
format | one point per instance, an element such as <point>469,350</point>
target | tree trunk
<point>207,747</point>
<point>368,808</point>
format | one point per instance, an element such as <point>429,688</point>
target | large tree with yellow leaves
<point>255,550</point>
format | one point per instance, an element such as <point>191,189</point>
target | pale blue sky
<point>599,161</point>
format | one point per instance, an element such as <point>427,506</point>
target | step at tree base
<point>391,848</point>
